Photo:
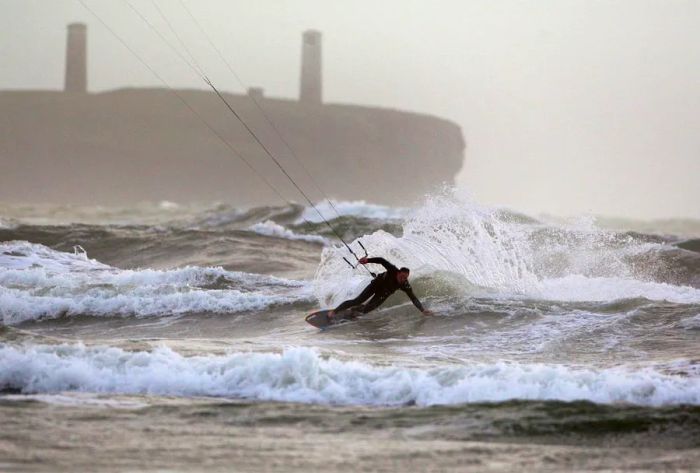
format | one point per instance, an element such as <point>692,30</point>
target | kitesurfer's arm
<point>379,260</point>
<point>409,292</point>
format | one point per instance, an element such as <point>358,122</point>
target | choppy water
<point>554,343</point>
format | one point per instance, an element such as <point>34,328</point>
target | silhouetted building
<point>136,144</point>
<point>311,87</point>
<point>76,58</point>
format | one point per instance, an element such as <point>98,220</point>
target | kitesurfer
<point>381,287</point>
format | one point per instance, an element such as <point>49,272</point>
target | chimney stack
<point>256,93</point>
<point>76,59</point>
<point>310,90</point>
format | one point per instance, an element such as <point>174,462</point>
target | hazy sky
<point>567,107</point>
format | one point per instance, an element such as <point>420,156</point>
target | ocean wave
<point>6,224</point>
<point>20,259</point>
<point>37,282</point>
<point>690,245</point>
<point>691,323</point>
<point>77,400</point>
<point>142,213</point>
<point>20,307</point>
<point>19,255</point>
<point>270,228</point>
<point>302,375</point>
<point>488,248</point>
<point>358,208</point>
<point>581,288</point>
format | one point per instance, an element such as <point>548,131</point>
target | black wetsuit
<point>381,287</point>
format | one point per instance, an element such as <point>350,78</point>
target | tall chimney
<point>76,58</point>
<point>310,89</point>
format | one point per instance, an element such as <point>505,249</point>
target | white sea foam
<point>24,255</point>
<point>270,228</point>
<point>581,288</point>
<point>37,282</point>
<point>168,205</point>
<point>488,249</point>
<point>77,399</point>
<point>32,264</point>
<point>18,306</point>
<point>302,375</point>
<point>691,323</point>
<point>356,208</point>
<point>6,224</point>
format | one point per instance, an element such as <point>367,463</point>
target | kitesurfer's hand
<point>428,312</point>
<point>363,260</point>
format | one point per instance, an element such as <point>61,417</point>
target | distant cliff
<point>133,145</point>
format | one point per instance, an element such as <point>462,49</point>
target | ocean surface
<point>170,337</point>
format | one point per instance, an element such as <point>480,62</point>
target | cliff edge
<point>132,145</point>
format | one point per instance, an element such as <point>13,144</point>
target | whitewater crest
<point>302,375</point>
<point>37,282</point>
<point>270,228</point>
<point>511,255</point>
<point>331,209</point>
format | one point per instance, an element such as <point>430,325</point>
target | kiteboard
<point>320,318</point>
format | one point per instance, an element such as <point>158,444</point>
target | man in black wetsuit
<point>381,287</point>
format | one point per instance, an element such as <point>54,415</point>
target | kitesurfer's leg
<point>373,303</point>
<point>368,292</point>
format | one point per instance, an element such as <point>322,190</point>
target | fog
<point>567,107</point>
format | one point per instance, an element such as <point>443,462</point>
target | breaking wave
<point>37,282</point>
<point>302,375</point>
<point>270,228</point>
<point>358,208</point>
<point>501,252</point>
<point>447,242</point>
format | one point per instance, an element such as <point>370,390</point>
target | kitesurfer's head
<point>402,275</point>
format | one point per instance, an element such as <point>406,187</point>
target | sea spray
<point>500,251</point>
